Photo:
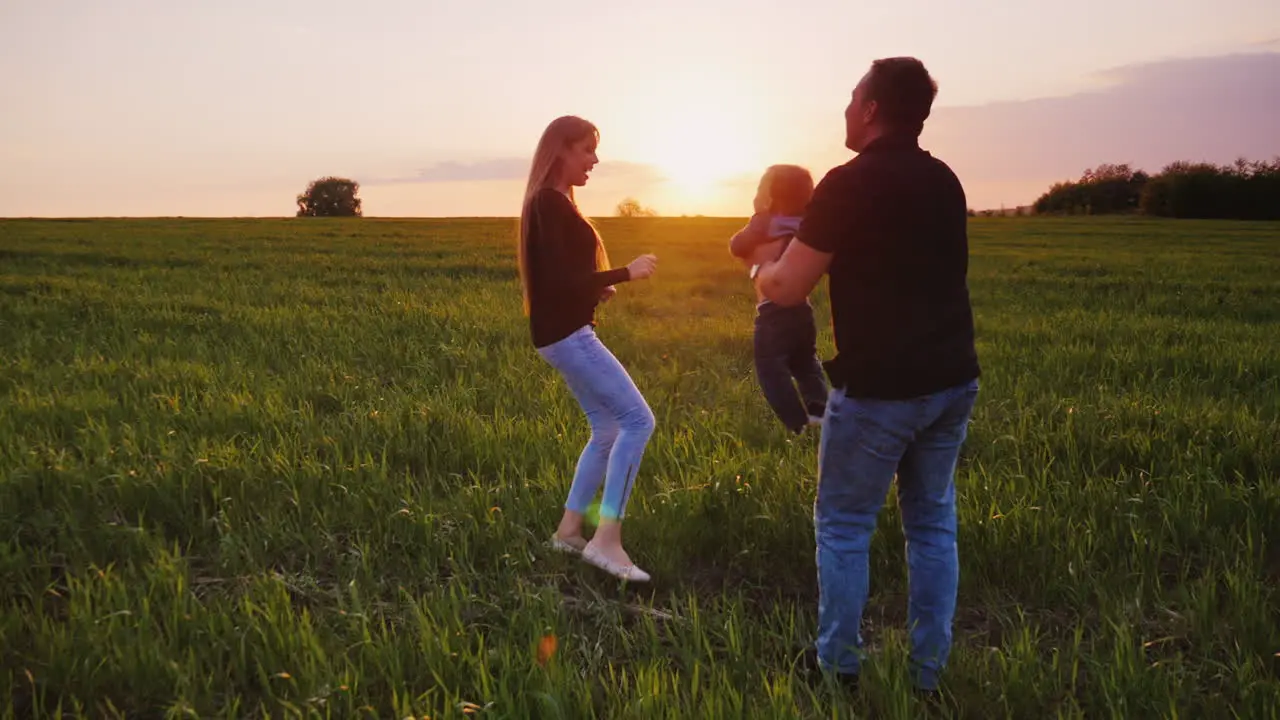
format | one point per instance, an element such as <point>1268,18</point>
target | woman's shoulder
<point>550,199</point>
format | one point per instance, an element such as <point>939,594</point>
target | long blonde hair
<point>561,134</point>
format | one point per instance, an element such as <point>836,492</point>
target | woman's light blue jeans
<point>621,421</point>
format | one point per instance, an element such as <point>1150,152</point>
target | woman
<point>564,271</point>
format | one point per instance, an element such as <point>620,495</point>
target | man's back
<point>889,230</point>
<point>895,219</point>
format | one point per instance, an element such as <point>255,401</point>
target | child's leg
<point>772,367</point>
<point>804,364</point>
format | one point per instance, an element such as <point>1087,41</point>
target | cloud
<point>1200,109</point>
<point>640,173</point>
<point>453,171</point>
<point>512,168</point>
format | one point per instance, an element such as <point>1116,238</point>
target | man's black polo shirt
<point>895,219</point>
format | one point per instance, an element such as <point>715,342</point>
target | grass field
<point>305,468</point>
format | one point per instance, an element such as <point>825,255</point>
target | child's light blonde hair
<point>788,187</point>
<point>544,172</point>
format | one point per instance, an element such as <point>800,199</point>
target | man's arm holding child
<point>788,273</point>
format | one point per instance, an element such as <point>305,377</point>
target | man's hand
<point>608,293</point>
<point>789,279</point>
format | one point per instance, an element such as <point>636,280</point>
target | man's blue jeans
<point>864,443</point>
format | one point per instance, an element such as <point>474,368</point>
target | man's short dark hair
<point>903,92</point>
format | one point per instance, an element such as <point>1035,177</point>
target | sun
<point>697,149</point>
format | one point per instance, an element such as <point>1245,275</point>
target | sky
<point>180,107</point>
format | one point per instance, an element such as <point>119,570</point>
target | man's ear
<point>869,113</point>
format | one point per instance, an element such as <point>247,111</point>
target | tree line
<point>1241,191</point>
<point>339,197</point>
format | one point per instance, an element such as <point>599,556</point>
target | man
<point>889,228</point>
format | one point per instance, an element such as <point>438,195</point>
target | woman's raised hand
<point>642,267</point>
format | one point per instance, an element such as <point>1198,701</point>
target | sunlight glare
<point>701,146</point>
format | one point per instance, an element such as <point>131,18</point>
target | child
<point>785,337</point>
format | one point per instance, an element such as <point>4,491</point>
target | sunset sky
<point>178,107</point>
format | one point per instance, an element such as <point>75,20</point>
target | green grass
<point>305,468</point>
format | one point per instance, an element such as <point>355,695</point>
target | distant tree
<point>1184,190</point>
<point>1245,190</point>
<point>1260,194</point>
<point>630,207</point>
<point>1104,190</point>
<point>330,197</point>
